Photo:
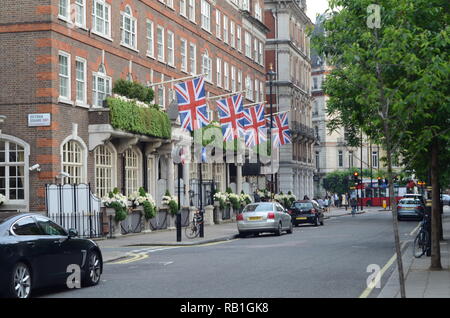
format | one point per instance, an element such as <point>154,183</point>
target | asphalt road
<point>323,262</point>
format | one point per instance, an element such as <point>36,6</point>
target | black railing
<point>88,225</point>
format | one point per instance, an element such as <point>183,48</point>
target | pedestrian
<point>336,200</point>
<point>256,196</point>
<point>344,201</point>
<point>354,204</point>
<point>305,197</point>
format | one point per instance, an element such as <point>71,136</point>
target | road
<point>320,262</point>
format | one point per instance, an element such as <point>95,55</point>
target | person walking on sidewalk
<point>354,204</point>
<point>344,201</point>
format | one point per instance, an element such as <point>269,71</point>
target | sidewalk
<point>420,281</point>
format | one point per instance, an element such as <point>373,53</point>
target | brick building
<point>59,60</point>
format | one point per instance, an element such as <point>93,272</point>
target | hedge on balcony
<point>128,116</point>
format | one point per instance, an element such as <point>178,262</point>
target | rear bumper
<point>409,214</point>
<point>300,219</point>
<point>263,226</point>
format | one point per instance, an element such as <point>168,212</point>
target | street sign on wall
<point>39,120</point>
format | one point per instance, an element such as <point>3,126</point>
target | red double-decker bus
<point>371,193</point>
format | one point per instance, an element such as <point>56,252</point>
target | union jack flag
<point>192,105</point>
<point>232,117</point>
<point>255,130</point>
<point>281,134</point>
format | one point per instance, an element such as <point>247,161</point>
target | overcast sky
<point>315,7</point>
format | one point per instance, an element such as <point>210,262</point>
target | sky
<point>314,7</point>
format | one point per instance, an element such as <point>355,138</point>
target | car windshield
<point>409,201</point>
<point>262,207</point>
<point>303,205</point>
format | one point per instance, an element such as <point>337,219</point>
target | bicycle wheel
<point>420,244</point>
<point>191,230</point>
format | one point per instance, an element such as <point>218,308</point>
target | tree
<point>381,84</point>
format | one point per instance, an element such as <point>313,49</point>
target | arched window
<point>101,86</point>
<point>128,28</point>
<point>12,170</point>
<point>104,170</point>
<point>132,164</point>
<point>73,162</point>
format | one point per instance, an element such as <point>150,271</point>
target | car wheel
<point>291,229</point>
<point>20,285</point>
<point>279,230</point>
<point>93,269</point>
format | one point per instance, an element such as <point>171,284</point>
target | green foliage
<point>133,90</point>
<point>149,210</point>
<point>128,116</point>
<point>228,190</point>
<point>121,212</point>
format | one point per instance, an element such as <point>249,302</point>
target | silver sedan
<point>264,217</point>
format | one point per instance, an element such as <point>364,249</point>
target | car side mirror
<point>73,233</point>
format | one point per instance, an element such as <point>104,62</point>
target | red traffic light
<point>356,174</point>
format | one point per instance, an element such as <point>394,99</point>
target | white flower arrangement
<point>137,199</point>
<point>115,197</point>
<point>2,199</point>
<point>126,99</point>
<point>167,198</point>
<point>245,198</point>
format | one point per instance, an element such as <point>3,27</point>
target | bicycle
<point>422,240</point>
<point>193,229</point>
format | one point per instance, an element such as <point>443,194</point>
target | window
<point>26,226</point>
<point>150,40</point>
<point>80,66</point>
<point>258,11</point>
<point>50,228</point>
<point>239,38</point>
<point>232,34</point>
<point>169,3</point>
<point>261,53</point>
<point>101,17</point>
<point>80,13</point>
<point>207,66</point>
<point>246,5</point>
<point>255,49</point>
<point>261,92</point>
<point>183,53</point>
<point>104,170</point>
<point>72,162</point>
<point>233,78</point>
<point>160,44</point>
<point>128,28</point>
<point>131,171</point>
<point>218,24</point>
<point>340,159</point>
<point>64,76</point>
<point>206,15</point>
<point>191,10</point>
<point>239,81</point>
<point>161,95</point>
<point>226,76</point>
<point>183,8</point>
<point>249,86</point>
<point>248,45</point>
<point>350,159</point>
<point>101,86</point>
<point>225,29</point>
<point>317,160</point>
<point>375,159</point>
<point>12,170</point>
<point>64,9</point>
<point>257,91</point>
<point>219,72</point>
<point>193,59</point>
<point>170,48</point>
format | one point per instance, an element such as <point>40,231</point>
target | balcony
<point>302,131</point>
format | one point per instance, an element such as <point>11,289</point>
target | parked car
<point>414,196</point>
<point>36,252</point>
<point>446,199</point>
<point>410,208</point>
<point>306,211</point>
<point>264,217</point>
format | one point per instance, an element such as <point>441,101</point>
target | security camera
<point>64,174</point>
<point>36,167</point>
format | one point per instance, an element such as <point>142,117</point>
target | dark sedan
<point>36,252</point>
<point>306,211</point>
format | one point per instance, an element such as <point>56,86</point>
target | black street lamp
<point>271,75</point>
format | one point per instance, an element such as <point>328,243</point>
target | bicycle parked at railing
<point>422,240</point>
<point>193,229</point>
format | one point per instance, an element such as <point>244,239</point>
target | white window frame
<point>248,45</point>
<point>105,19</point>
<point>232,34</point>
<point>193,59</point>
<point>183,8</point>
<point>80,10</point>
<point>226,76</point>
<point>64,10</point>
<point>255,50</point>
<point>239,80</point>
<point>206,15</point>
<point>150,28</point>
<point>225,29</point>
<point>133,173</point>
<point>219,72</point>
<point>218,24</point>
<point>233,78</point>
<point>125,16</point>
<point>70,162</point>
<point>67,77</point>
<point>239,38</point>
<point>191,11</point>
<point>207,67</point>
<point>83,101</point>
<point>170,48</point>
<point>101,74</point>
<point>160,51</point>
<point>105,172</point>
<point>184,56</point>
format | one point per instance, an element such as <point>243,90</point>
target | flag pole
<point>177,80</point>
<point>286,111</point>
<point>248,105</point>
<point>224,95</point>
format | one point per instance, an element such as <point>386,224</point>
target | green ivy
<point>130,117</point>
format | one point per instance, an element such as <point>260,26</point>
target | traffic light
<point>380,182</point>
<point>355,177</point>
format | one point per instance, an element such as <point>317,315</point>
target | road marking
<point>366,293</point>
<point>134,258</point>
<point>216,243</point>
<point>413,231</point>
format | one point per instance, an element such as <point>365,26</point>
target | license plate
<point>255,218</point>
<point>301,218</point>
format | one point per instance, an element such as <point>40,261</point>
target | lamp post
<point>271,77</point>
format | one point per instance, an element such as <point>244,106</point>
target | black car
<point>36,252</point>
<point>306,211</point>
